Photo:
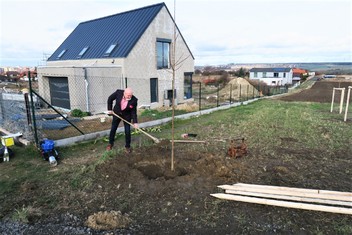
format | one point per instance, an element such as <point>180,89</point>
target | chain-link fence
<point>67,105</point>
<point>210,96</point>
<point>14,116</point>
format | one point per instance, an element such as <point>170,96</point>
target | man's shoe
<point>128,150</point>
<point>109,147</point>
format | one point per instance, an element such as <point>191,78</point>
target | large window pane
<point>159,49</point>
<point>188,85</point>
<point>163,51</point>
<point>166,55</point>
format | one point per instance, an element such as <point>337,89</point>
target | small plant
<point>21,215</point>
<point>79,113</point>
<point>149,129</point>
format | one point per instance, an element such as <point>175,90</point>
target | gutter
<point>89,66</point>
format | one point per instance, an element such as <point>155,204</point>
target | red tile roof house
<point>133,48</point>
<point>297,75</point>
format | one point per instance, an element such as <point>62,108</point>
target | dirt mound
<point>189,107</point>
<point>237,87</point>
<point>104,220</point>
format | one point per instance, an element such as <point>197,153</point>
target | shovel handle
<point>150,136</point>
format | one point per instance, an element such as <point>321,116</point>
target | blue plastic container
<point>47,145</point>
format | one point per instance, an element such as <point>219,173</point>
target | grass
<point>267,122</point>
<point>155,114</point>
<point>22,167</point>
<point>306,84</point>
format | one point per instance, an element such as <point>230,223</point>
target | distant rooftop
<point>277,70</point>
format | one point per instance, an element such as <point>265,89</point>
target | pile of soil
<point>104,220</point>
<point>235,86</point>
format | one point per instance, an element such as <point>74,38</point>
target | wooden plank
<point>19,139</point>
<point>12,135</point>
<point>296,205</point>
<point>291,198</point>
<point>286,192</point>
<point>348,194</point>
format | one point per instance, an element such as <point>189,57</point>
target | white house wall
<point>141,63</point>
<point>269,78</point>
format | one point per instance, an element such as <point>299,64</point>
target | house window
<point>61,54</point>
<point>82,52</point>
<point>255,74</point>
<point>110,49</point>
<point>276,75</point>
<point>284,75</point>
<point>264,74</point>
<point>188,85</point>
<point>154,90</point>
<point>163,53</point>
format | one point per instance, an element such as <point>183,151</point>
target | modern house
<point>272,76</point>
<point>136,49</point>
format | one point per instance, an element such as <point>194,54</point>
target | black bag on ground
<point>2,152</point>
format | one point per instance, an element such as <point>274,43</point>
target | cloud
<point>216,31</point>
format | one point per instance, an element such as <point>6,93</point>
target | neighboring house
<point>272,76</point>
<point>133,48</point>
<point>298,75</point>
<point>13,76</point>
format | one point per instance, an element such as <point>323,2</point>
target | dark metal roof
<point>268,70</point>
<point>123,29</point>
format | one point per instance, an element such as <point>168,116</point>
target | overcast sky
<point>216,31</point>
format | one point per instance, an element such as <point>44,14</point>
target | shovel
<point>156,140</point>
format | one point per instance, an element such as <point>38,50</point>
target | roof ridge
<point>124,12</point>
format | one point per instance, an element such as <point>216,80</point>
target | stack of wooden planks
<point>299,198</point>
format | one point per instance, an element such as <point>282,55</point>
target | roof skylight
<point>110,49</point>
<point>82,52</point>
<point>61,53</point>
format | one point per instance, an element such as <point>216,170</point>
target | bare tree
<point>175,65</point>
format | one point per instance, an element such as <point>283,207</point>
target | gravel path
<point>66,224</point>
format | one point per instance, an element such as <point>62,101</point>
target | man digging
<point>126,108</point>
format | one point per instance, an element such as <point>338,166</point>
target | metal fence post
<point>28,110</point>
<point>33,111</point>
<point>200,96</point>
<point>217,96</point>
<point>239,95</point>
<point>247,92</point>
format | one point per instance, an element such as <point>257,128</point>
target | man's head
<point>128,93</point>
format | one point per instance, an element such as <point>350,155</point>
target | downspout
<point>87,85</point>
<point>122,82</point>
